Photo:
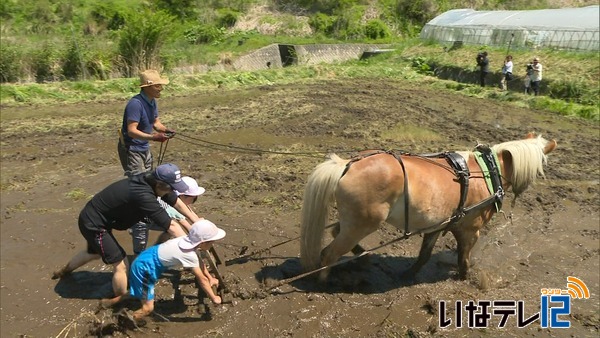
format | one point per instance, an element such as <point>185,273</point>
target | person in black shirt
<point>484,67</point>
<point>118,207</point>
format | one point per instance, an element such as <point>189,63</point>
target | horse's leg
<point>357,250</point>
<point>465,240</point>
<point>425,253</point>
<point>344,242</point>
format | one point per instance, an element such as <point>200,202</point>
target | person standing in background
<point>484,67</point>
<point>507,71</point>
<point>527,79</point>
<point>536,76</point>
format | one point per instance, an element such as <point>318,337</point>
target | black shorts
<point>102,242</point>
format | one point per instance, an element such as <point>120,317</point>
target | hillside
<point>45,40</point>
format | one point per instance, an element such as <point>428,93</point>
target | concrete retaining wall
<point>328,53</point>
<point>281,55</point>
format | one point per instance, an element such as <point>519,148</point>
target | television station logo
<point>555,307</point>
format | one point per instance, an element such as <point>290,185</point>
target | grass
<point>559,67</point>
<point>403,132</point>
<point>78,194</point>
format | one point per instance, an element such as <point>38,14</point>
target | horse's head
<point>523,160</point>
<point>550,145</point>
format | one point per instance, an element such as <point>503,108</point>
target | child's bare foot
<point>140,314</point>
<point>106,303</point>
<point>60,273</point>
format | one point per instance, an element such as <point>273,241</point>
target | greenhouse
<point>566,28</point>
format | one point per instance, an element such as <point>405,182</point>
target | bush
<point>420,11</point>
<point>44,64</point>
<point>227,17</point>
<point>10,64</point>
<point>181,9</point>
<point>421,65</point>
<point>322,23</point>
<point>376,29</point>
<point>72,61</point>
<point>572,90</point>
<point>141,39</point>
<point>200,34</point>
<point>348,25</point>
<point>107,14</point>
<point>98,64</point>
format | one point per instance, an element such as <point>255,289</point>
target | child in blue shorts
<point>178,252</point>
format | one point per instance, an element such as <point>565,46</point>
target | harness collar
<point>491,170</point>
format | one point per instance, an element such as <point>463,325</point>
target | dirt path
<point>50,166</point>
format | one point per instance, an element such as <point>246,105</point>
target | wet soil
<point>252,149</point>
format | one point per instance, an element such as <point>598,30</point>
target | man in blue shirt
<point>141,124</point>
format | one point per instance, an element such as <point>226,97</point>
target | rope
<point>254,253</point>
<point>343,261</point>
<point>162,152</point>
<point>232,148</point>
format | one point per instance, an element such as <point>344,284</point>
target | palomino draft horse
<point>453,191</point>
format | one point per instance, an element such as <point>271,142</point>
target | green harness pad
<point>486,172</point>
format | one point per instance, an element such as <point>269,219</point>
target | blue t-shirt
<point>143,111</point>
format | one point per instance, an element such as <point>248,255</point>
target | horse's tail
<point>318,197</point>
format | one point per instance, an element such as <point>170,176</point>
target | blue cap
<point>170,174</point>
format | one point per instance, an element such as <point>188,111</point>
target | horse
<point>427,194</point>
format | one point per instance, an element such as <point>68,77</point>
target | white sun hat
<point>202,231</point>
<point>193,188</point>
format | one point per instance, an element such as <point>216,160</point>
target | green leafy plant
<point>72,62</point>
<point>45,65</point>
<point>572,90</point>
<point>226,17</point>
<point>421,65</point>
<point>10,70</point>
<point>203,34</point>
<point>377,29</point>
<point>141,40</point>
<point>322,23</point>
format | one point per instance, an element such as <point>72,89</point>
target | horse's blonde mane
<point>528,160</point>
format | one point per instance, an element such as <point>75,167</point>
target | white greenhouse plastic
<point>566,28</point>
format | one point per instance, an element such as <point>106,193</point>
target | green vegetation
<point>88,50</point>
<point>54,40</point>
<point>78,194</point>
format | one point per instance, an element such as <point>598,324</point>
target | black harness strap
<point>399,159</point>
<point>360,157</point>
<point>490,162</point>
<point>461,169</point>
<point>406,196</point>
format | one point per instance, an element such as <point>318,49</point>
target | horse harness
<point>490,168</point>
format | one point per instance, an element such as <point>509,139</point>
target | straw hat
<point>151,77</point>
